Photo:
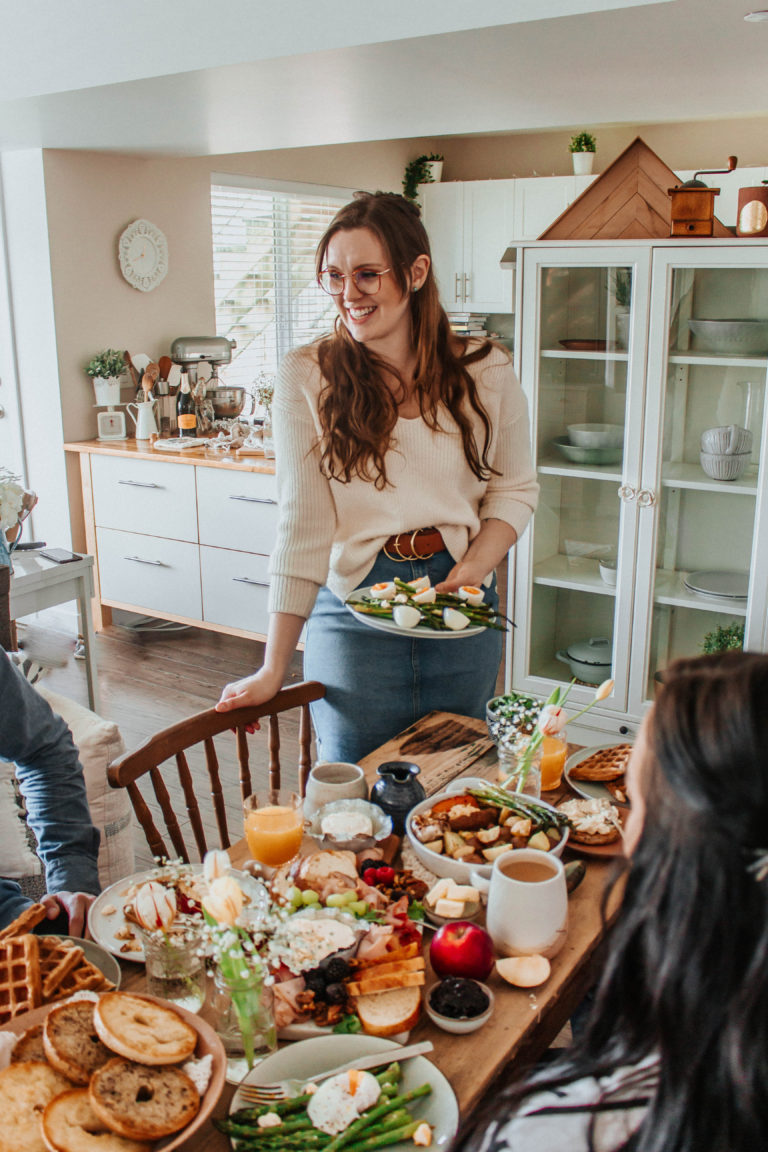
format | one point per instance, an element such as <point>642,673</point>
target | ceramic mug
<point>527,902</point>
<point>333,781</point>
<point>728,439</point>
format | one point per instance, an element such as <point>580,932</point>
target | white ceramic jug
<point>144,419</point>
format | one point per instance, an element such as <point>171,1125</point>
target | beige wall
<point>92,196</point>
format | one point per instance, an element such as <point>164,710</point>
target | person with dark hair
<point>674,1053</point>
<point>402,451</point>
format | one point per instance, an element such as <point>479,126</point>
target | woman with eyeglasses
<point>674,1055</point>
<point>402,451</point>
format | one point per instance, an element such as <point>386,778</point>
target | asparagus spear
<point>523,806</point>
<point>393,1136</point>
<point>344,1138</point>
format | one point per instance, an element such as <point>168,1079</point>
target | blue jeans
<point>378,684</point>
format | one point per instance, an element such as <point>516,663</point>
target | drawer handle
<point>254,499</point>
<point>247,580</point>
<point>139,560</point>
<point>138,484</point>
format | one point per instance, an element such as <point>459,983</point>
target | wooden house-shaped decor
<point>629,201</point>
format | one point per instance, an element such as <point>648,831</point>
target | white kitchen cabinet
<point>154,497</point>
<point>649,504</point>
<point>150,573</point>
<point>469,225</point>
<point>237,510</point>
<point>235,589</point>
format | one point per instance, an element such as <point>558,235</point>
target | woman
<point>401,451</point>
<point>674,1057</point>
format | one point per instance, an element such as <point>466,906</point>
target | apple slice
<point>524,971</point>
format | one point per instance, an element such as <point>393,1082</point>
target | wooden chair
<point>177,740</point>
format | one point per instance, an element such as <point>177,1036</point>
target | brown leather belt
<point>417,545</point>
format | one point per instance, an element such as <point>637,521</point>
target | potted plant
<point>427,169</point>
<point>105,369</point>
<point>724,638</point>
<point>622,295</point>
<point>582,149</point>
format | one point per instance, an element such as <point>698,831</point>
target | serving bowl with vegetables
<point>416,608</point>
<point>464,829</point>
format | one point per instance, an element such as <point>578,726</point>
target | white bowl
<point>445,865</point>
<point>462,1025</point>
<point>608,572</point>
<point>722,466</point>
<point>382,825</point>
<point>742,337</point>
<point>596,435</point>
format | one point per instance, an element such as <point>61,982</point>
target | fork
<point>283,1089</point>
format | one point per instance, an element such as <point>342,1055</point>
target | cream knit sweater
<point>330,532</point>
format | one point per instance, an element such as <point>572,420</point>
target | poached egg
<point>340,1100</point>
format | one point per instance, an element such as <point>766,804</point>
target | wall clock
<point>143,254</point>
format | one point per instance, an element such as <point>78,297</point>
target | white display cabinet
<point>603,337</point>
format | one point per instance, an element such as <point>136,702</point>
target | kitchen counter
<point>142,450</point>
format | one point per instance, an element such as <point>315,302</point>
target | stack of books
<point>468,323</point>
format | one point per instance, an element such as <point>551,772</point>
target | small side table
<point>37,583</point>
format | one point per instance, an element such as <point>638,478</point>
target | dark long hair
<point>358,412</point>
<point>686,973</point>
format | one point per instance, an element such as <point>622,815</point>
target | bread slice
<point>29,1046</point>
<point>69,1124</point>
<point>386,1013</point>
<point>385,981</point>
<point>143,1030</point>
<point>25,1089</point>
<point>406,952</point>
<point>143,1103</point>
<point>70,1041</point>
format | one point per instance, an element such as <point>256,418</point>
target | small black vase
<point>397,791</point>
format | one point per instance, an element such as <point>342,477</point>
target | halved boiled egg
<point>384,591</point>
<point>405,615</point>
<point>420,584</point>
<point>428,596</point>
<point>454,619</point>
<point>471,594</point>
<point>401,598</point>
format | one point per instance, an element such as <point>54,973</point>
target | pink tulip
<point>552,719</point>
<point>155,906</point>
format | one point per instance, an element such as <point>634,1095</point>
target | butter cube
<point>464,892</point>
<point>450,909</point>
<point>440,890</point>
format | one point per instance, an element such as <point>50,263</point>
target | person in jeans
<point>674,1054</point>
<point>50,777</point>
<point>402,450</point>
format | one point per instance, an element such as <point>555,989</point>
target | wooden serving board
<point>443,744</point>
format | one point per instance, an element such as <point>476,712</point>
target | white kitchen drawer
<point>145,496</point>
<point>235,589</point>
<point>237,510</point>
<point>150,573</point>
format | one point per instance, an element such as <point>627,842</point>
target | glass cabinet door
<point>702,521</point>
<point>582,335</point>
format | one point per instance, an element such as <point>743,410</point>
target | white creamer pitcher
<point>144,419</point>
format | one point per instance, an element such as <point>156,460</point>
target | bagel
<point>29,1046</point>
<point>140,1029</point>
<point>69,1124</point>
<point>142,1103</point>
<point>71,1043</point>
<point>24,1090</point>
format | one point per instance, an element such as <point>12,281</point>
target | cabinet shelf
<point>579,573</point>
<point>669,589</point>
<point>718,359</point>
<point>681,475</point>
<point>554,466</point>
<point>564,354</point>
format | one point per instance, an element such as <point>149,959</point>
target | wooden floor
<point>149,680</point>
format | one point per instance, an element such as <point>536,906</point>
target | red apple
<point>462,949</point>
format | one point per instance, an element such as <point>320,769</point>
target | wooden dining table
<point>525,1021</point>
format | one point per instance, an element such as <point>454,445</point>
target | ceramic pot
<point>333,781</point>
<point>582,163</point>
<point>589,660</point>
<point>107,391</point>
<point>397,791</point>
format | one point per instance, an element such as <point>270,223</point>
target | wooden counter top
<point>142,450</point>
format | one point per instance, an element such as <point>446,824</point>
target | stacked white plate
<point>718,584</point>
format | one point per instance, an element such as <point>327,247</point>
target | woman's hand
<point>463,573</point>
<point>484,554</point>
<point>249,691</point>
<point>75,904</point>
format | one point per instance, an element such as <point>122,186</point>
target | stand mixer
<point>188,352</point>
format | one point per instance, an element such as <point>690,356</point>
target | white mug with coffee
<point>333,781</point>
<point>527,903</point>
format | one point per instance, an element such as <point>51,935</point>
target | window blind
<point>266,295</point>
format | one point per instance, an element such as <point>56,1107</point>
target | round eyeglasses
<point>366,280</point>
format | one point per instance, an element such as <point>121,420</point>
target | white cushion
<point>17,858</point>
<point>99,743</point>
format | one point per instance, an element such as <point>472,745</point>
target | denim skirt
<point>378,684</point>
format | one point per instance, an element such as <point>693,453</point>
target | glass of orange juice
<point>274,825</point>
<point>554,752</point>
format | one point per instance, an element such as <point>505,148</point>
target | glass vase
<point>245,1021</point>
<point>520,769</point>
<point>175,967</point>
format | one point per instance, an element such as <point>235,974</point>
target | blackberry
<point>335,969</point>
<point>336,994</point>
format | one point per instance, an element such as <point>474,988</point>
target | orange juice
<point>274,833</point>
<point>554,751</point>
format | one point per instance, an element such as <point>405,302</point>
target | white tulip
<point>215,864</point>
<point>604,691</point>
<point>155,906</point>
<point>224,901</point>
<point>552,719</point>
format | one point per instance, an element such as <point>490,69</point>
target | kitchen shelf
<point>719,360</point>
<point>565,354</point>
<point>580,573</point>
<point>691,476</point>
<point>671,590</point>
<point>552,466</point>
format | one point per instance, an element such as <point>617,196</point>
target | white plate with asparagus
<point>415,609</point>
<point>412,1094</point>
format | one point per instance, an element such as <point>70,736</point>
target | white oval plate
<point>590,789</point>
<point>308,1058</point>
<point>723,585</point>
<point>417,633</point>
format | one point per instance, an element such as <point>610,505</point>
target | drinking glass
<point>274,826</point>
<point>554,753</point>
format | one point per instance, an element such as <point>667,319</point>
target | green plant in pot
<point>105,368</point>
<point>419,171</point>
<point>582,148</point>
<point>724,638</point>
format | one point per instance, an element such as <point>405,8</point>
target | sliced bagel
<point>25,1089</point>
<point>29,1046</point>
<point>140,1029</point>
<point>69,1124</point>
<point>143,1103</point>
<point>71,1043</point>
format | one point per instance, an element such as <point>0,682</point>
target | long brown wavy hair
<point>358,412</point>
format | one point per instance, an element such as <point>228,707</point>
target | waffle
<point>20,984</point>
<point>65,970</point>
<point>28,920</point>
<point>617,790</point>
<point>604,764</point>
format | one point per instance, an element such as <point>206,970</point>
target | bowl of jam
<point>459,1005</point>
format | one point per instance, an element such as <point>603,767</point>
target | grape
<point>295,897</point>
<point>310,897</point>
<point>348,897</point>
<point>358,907</point>
<point>337,900</point>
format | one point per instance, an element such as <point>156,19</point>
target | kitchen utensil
<point>282,1089</point>
<point>589,660</point>
<point>144,419</point>
<point>740,337</point>
<point>579,455</point>
<point>596,435</point>
<point>146,384</point>
<point>164,364</point>
<point>227,402</point>
<point>527,902</point>
<point>731,439</point>
<point>131,370</point>
<point>722,466</point>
